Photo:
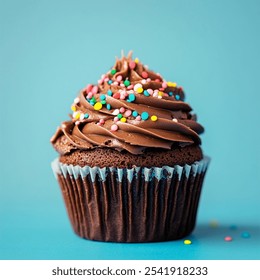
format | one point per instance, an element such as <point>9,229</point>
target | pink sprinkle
<point>122,96</point>
<point>89,88</point>
<point>119,78</point>
<point>132,64</point>
<point>99,123</point>
<point>116,119</point>
<point>102,121</point>
<point>115,83</point>
<point>77,122</point>
<point>161,89</point>
<point>157,80</point>
<point>90,95</point>
<point>122,110</point>
<point>95,89</point>
<point>155,94</point>
<point>128,113</point>
<point>148,80</point>
<point>228,238</point>
<point>143,81</point>
<point>138,118</point>
<point>122,85</point>
<point>144,75</point>
<point>114,127</point>
<point>130,87</point>
<point>100,81</point>
<point>150,91</point>
<point>106,79</point>
<point>115,112</point>
<point>164,85</point>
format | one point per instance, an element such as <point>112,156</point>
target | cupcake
<point>130,163</point>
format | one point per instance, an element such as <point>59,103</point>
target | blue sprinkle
<point>135,114</point>
<point>108,107</point>
<point>245,234</point>
<point>145,116</point>
<point>177,97</point>
<point>110,82</point>
<point>102,97</point>
<point>146,93</point>
<point>131,97</point>
<point>170,93</point>
<point>109,92</point>
<point>92,102</point>
<point>86,116</point>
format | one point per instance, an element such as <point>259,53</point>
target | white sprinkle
<point>175,120</point>
<point>81,116</point>
<point>137,86</point>
<point>76,100</point>
<point>115,112</point>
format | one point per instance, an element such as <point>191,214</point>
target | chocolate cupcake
<point>130,167</point>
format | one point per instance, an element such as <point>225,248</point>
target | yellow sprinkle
<point>160,93</point>
<point>136,60</point>
<point>171,84</point>
<point>139,90</point>
<point>154,118</point>
<point>187,242</point>
<point>98,106</point>
<point>73,108</point>
<point>77,115</point>
<point>123,119</point>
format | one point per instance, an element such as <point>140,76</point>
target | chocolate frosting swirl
<point>131,108</point>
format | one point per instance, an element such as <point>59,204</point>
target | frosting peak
<point>130,108</point>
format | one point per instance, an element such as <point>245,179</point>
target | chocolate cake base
<point>103,157</point>
<point>132,210</point>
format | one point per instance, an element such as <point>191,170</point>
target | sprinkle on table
<point>228,238</point>
<point>187,242</point>
<point>245,234</point>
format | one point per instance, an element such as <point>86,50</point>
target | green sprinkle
<point>120,116</point>
<point>103,102</point>
<point>113,72</point>
<point>127,83</point>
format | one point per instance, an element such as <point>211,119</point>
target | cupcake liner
<point>131,205</point>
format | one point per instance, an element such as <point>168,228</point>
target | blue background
<point>51,49</point>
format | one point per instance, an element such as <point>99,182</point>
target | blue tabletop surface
<point>51,49</point>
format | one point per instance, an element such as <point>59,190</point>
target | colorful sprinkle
<point>144,116</point>
<point>94,89</point>
<point>245,234</point>
<point>98,106</point>
<point>73,108</point>
<point>139,90</point>
<point>81,117</point>
<point>114,127</point>
<point>120,116</point>
<point>90,95</point>
<point>109,92</point>
<point>136,60</point>
<point>154,118</point>
<point>102,121</point>
<point>119,78</point>
<point>170,93</point>
<point>187,242</point>
<point>127,83</point>
<point>109,82</point>
<point>103,102</point>
<point>89,88</point>
<point>174,120</point>
<point>115,112</point>
<point>138,85</point>
<point>108,106</point>
<point>116,119</point>
<point>122,110</point>
<point>76,115</point>
<point>131,97</point>
<point>102,97</point>
<point>128,113</point>
<point>123,119</point>
<point>146,93</point>
<point>164,85</point>
<point>76,100</point>
<point>171,84</point>
<point>113,72</point>
<point>228,238</point>
<point>150,91</point>
<point>86,116</point>
<point>138,118</point>
<point>135,114</point>
<point>144,75</point>
<point>132,64</point>
<point>177,97</point>
<point>116,95</point>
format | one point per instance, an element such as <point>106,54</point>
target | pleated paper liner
<point>131,205</point>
